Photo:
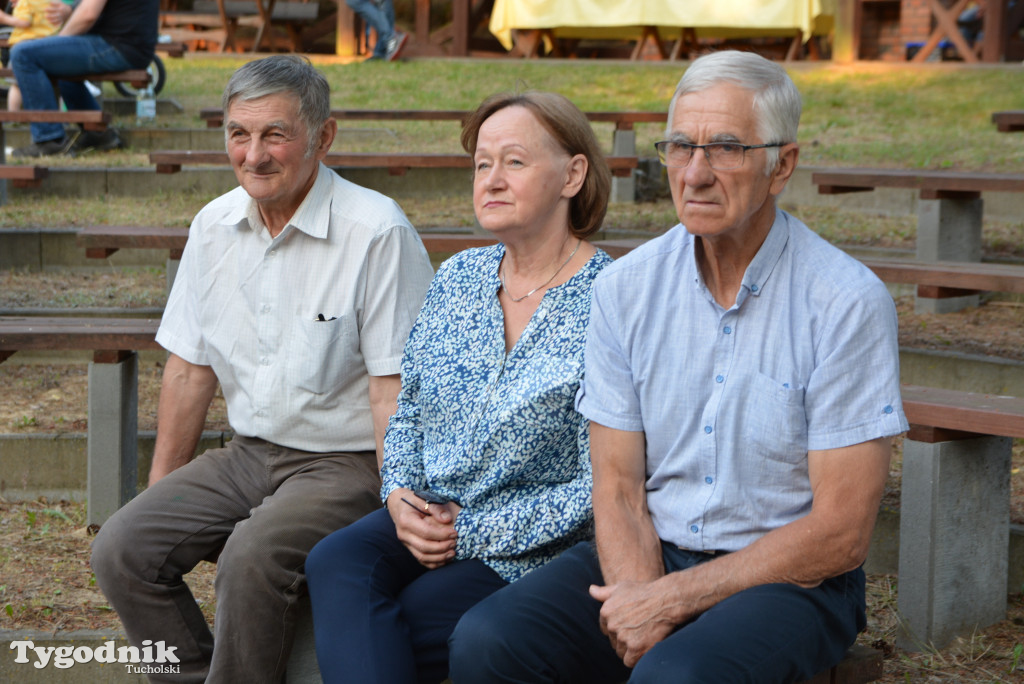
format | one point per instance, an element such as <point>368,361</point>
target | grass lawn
<point>869,114</point>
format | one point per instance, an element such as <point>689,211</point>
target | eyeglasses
<point>721,156</point>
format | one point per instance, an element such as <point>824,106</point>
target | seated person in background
<point>485,419</point>
<point>742,384</point>
<point>98,36</point>
<point>297,292</point>
<point>30,20</point>
<point>380,16</point>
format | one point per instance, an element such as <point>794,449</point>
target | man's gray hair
<point>293,74</point>
<point>777,102</point>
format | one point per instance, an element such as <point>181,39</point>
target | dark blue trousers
<point>380,616</point>
<point>545,628</point>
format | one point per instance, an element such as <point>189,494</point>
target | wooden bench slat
<point>986,414</point>
<point>1009,121</point>
<point>127,237</point>
<point>214,116</point>
<point>76,333</point>
<point>171,161</point>
<point>133,76</point>
<point>855,180</point>
<point>950,274</point>
<point>23,173</point>
<point>83,116</point>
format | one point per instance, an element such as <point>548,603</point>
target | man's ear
<point>789,154</point>
<point>327,133</point>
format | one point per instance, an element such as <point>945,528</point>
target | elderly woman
<point>486,470</point>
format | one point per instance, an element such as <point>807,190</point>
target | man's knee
<point>110,558</point>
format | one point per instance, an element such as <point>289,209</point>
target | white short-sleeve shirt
<point>250,307</point>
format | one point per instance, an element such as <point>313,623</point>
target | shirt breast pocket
<point>323,353</point>
<point>774,419</point>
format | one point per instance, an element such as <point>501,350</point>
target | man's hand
<point>633,618</point>
<point>427,531</point>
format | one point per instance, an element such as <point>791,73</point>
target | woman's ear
<point>575,174</point>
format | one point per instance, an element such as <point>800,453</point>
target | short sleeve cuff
<point>181,348</point>
<point>598,414</point>
<point>890,425</point>
<point>388,366</point>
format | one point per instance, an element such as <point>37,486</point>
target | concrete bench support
<point>113,433</point>
<point>624,145</point>
<point>948,229</point>
<point>954,532</point>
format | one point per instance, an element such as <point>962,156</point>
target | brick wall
<point>880,37</point>
<point>916,20</point>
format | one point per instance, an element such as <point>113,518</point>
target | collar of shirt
<point>312,217</point>
<point>758,272</point>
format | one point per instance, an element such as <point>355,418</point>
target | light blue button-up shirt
<point>731,401</point>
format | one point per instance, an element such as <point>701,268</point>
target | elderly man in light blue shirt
<point>742,383</point>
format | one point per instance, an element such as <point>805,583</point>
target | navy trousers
<point>381,616</point>
<point>545,628</point>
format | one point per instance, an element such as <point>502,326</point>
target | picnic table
<point>516,21</point>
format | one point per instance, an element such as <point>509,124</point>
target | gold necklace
<point>505,287</point>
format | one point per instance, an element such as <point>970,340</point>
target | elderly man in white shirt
<point>296,292</point>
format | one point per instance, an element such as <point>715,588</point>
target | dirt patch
<point>47,585</point>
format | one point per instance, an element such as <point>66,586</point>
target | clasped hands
<point>428,531</point>
<point>634,617</point>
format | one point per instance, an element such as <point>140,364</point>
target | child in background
<point>29,21</point>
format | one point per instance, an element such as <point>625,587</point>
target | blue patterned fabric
<point>495,432</point>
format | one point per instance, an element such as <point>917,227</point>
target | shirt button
<point>719,378</point>
<point>265,361</point>
<point>266,308</point>
<point>707,429</point>
<point>273,252</point>
<point>727,330</point>
<point>709,480</point>
<point>888,409</point>
<point>753,288</point>
<point>694,529</point>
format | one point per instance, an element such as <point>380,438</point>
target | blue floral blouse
<point>497,433</point>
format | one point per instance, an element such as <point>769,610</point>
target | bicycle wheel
<point>156,72</point>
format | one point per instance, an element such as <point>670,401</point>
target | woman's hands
<point>427,530</point>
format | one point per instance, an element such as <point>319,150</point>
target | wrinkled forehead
<point>721,112</point>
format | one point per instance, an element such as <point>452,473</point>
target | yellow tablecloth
<point>625,18</point>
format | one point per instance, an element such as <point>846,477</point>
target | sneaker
<point>101,141</point>
<point>41,149</point>
<point>395,45</point>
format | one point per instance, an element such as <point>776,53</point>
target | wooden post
<point>346,42</point>
<point>846,34</point>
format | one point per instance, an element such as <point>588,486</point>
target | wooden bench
<point>171,161</point>
<point>113,393</point>
<point>137,78</point>
<point>29,176</point>
<point>954,513</point>
<point>949,215</point>
<point>623,137</point>
<point>934,279</point>
<point>1009,121</point>
<point>624,121</point>
<point>23,176</point>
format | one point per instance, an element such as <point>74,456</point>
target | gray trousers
<point>257,509</point>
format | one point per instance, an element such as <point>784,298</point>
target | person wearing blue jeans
<point>380,15</point>
<point>98,36</point>
<point>742,387</point>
